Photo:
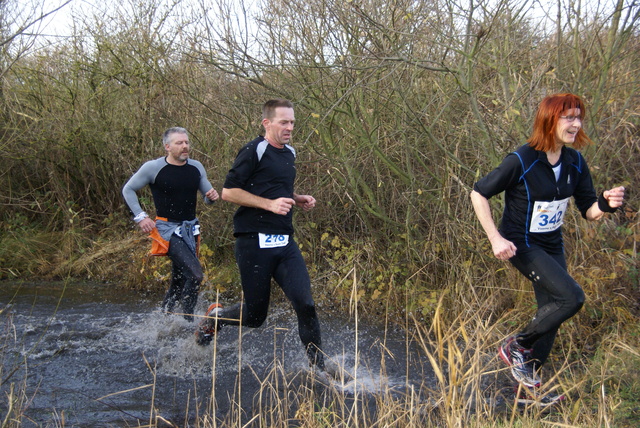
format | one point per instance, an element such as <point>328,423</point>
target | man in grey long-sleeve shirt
<point>174,181</point>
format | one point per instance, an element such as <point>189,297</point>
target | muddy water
<point>95,355</point>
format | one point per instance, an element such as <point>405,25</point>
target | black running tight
<point>284,264</point>
<point>558,295</point>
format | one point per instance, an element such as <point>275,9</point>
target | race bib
<point>548,216</point>
<point>196,230</point>
<point>267,240</point>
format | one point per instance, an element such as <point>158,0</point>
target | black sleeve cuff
<point>603,204</point>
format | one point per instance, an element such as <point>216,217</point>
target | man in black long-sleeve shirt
<point>261,182</point>
<point>174,180</point>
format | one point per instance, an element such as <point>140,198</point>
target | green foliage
<point>25,253</point>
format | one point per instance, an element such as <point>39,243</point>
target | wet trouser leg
<point>174,292</point>
<point>293,277</point>
<point>284,264</point>
<point>558,296</point>
<point>186,276</point>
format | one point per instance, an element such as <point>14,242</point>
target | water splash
<point>93,351</point>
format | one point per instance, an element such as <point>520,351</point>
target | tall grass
<point>453,379</point>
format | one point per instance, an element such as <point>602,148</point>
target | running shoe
<point>528,396</point>
<point>520,361</point>
<point>209,325</point>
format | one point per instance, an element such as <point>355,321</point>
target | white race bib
<point>196,230</point>
<point>267,240</point>
<point>548,216</point>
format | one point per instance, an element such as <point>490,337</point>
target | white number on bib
<point>272,241</point>
<point>548,216</point>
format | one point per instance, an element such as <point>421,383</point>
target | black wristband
<point>603,204</point>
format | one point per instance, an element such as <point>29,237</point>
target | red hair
<point>543,136</point>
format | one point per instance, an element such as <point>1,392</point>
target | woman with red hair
<point>539,179</point>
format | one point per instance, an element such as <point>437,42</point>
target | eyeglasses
<point>571,118</point>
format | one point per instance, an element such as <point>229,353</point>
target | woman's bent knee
<point>579,299</point>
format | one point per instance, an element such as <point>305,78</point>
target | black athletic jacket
<point>526,177</point>
<point>265,171</point>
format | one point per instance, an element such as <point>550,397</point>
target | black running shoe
<point>519,359</point>
<point>533,396</point>
<point>209,325</point>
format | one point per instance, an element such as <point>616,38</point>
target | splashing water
<point>94,354</point>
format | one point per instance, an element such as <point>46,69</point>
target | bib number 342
<point>548,216</point>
